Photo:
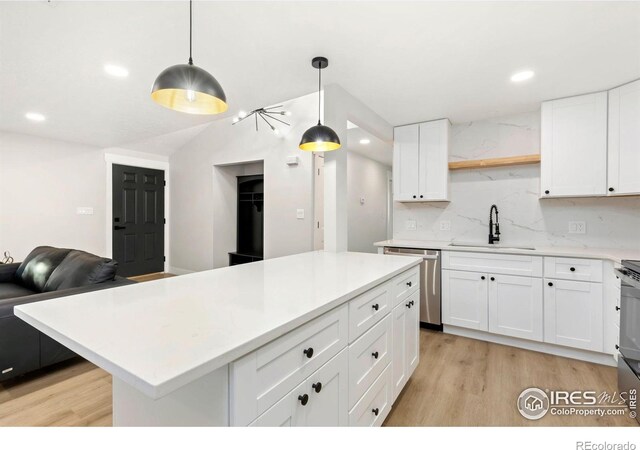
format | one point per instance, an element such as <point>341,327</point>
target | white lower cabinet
<point>320,400</point>
<point>406,341</point>
<point>337,369</point>
<point>573,314</point>
<point>375,404</point>
<point>464,299</point>
<point>515,306</point>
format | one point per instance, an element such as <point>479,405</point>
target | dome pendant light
<point>319,138</point>
<point>188,88</point>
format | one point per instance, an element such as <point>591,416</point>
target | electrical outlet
<point>445,225</point>
<point>577,227</point>
<point>300,214</point>
<point>411,225</point>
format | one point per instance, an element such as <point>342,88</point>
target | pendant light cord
<point>190,31</point>
<point>319,88</point>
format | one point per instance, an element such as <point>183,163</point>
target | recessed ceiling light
<point>522,76</point>
<point>116,71</point>
<point>365,141</point>
<point>36,117</point>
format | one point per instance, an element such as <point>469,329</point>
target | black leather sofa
<point>46,273</point>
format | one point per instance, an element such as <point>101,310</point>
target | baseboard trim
<point>180,271</point>
<point>542,347</point>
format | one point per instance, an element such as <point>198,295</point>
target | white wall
<point>42,182</point>
<point>366,179</point>
<point>524,219</point>
<point>287,188</point>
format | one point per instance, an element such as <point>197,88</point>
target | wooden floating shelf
<point>495,162</point>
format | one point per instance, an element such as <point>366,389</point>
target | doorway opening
<point>138,216</point>
<point>250,221</point>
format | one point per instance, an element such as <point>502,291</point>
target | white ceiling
<point>376,149</point>
<point>408,61</point>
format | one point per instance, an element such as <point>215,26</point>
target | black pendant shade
<point>188,88</point>
<point>319,138</point>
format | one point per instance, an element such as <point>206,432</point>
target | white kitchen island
<point>239,345</point>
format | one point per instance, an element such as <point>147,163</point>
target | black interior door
<point>138,220</point>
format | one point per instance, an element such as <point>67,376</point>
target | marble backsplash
<point>525,220</point>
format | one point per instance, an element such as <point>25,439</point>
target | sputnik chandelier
<point>266,114</point>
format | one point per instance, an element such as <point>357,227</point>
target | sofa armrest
<point>7,272</point>
<point>7,304</point>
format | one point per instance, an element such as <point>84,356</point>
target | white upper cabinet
<point>624,139</point>
<point>421,162</point>
<point>406,183</point>
<point>434,160</point>
<point>574,146</point>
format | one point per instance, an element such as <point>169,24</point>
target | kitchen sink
<point>489,246</point>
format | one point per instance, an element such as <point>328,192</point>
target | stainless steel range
<point>629,347</point>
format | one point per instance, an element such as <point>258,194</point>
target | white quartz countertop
<point>615,255</point>
<point>159,336</point>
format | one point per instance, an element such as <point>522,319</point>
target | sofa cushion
<point>37,267</point>
<point>11,290</point>
<point>81,269</point>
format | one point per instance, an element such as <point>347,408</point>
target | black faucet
<point>494,229</point>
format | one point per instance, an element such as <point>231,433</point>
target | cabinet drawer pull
<point>550,283</point>
<point>493,279</point>
<point>408,305</point>
<point>409,283</point>
<point>375,355</point>
<point>482,277</point>
<point>617,347</point>
<point>375,411</point>
<point>421,196</point>
<point>611,189</point>
<point>573,269</point>
<point>317,387</point>
<point>546,192</point>
<point>308,352</point>
<point>304,399</point>
<point>617,308</point>
<point>414,196</point>
<point>375,307</point>
<point>411,302</point>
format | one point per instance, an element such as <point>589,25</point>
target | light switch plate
<point>300,214</point>
<point>445,225</point>
<point>411,225</point>
<point>577,227</point>
<point>84,210</point>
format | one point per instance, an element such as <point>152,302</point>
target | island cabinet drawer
<point>494,263</point>
<point>367,309</point>
<point>375,404</point>
<point>574,269</point>
<point>368,356</point>
<point>405,284</point>
<point>319,401</point>
<point>263,377</point>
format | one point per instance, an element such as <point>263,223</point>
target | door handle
<point>117,227</point>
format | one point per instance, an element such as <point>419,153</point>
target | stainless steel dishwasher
<point>430,301</point>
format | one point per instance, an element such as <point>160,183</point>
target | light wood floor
<point>459,382</point>
<point>465,382</point>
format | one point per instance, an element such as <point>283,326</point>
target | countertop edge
<point>165,387</point>
<point>547,251</point>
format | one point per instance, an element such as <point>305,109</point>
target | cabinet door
<point>434,160</point>
<point>398,355</point>
<point>515,306</point>
<point>412,334</point>
<point>320,400</point>
<point>573,314</point>
<point>405,163</point>
<point>574,146</point>
<point>465,299</point>
<point>328,394</point>
<point>624,139</point>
